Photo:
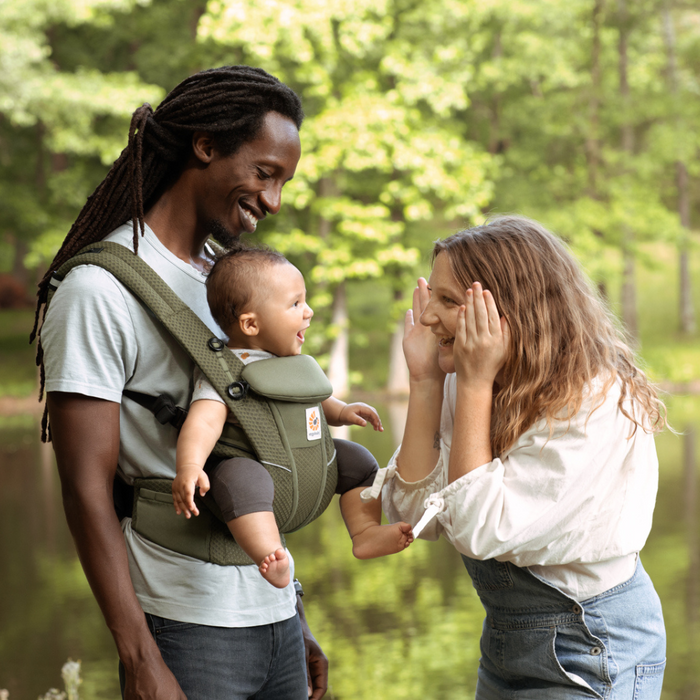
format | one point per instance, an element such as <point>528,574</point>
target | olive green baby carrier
<point>275,401</point>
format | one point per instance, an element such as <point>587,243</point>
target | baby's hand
<point>187,479</point>
<point>359,414</point>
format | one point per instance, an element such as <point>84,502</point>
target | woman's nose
<point>428,317</point>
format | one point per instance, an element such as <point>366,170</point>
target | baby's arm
<point>340,413</point>
<point>198,436</point>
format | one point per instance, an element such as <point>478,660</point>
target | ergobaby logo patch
<point>313,423</point>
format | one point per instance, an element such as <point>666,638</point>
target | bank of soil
<point>20,406</point>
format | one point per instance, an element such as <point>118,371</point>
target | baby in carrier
<point>259,299</point>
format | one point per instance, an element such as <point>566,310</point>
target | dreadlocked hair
<point>229,103</point>
<point>234,278</point>
<point>564,341</point>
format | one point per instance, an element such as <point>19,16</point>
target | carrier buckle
<point>238,390</point>
<point>167,411</point>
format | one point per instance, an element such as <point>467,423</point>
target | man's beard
<point>222,234</point>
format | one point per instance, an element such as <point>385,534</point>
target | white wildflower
<point>53,694</point>
<point>71,678</point>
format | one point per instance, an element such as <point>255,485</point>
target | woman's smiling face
<point>440,315</point>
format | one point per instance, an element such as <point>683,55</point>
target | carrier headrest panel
<point>297,378</point>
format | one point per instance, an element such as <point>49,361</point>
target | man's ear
<point>203,146</point>
<point>248,323</point>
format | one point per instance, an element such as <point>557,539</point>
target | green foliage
<point>383,151</point>
<point>56,123</point>
<point>440,111</point>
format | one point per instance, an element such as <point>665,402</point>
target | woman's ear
<point>248,323</point>
<point>203,146</point>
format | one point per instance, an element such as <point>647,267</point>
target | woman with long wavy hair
<point>529,445</point>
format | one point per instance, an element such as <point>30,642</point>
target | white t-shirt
<point>576,508</point>
<point>99,339</point>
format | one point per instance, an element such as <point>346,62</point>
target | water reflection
<point>403,627</point>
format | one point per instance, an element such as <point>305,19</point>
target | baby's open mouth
<point>445,342</point>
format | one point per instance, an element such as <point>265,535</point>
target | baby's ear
<point>248,323</point>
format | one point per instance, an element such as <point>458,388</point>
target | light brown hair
<point>562,336</point>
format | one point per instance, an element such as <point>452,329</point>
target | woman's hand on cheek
<point>419,344</point>
<point>482,338</point>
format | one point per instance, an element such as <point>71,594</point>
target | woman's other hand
<point>482,339</point>
<point>419,344</point>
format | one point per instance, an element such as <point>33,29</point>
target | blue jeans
<point>539,644</point>
<point>233,663</point>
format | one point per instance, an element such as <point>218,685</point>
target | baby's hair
<point>562,335</point>
<point>234,279</point>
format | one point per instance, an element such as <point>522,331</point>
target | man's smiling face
<point>241,189</point>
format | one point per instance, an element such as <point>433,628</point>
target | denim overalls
<point>539,644</point>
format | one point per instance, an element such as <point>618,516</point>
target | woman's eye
<point>263,175</point>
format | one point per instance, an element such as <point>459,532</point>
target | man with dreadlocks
<point>211,160</point>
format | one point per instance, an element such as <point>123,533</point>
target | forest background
<point>423,117</point>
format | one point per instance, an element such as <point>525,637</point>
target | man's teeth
<point>250,216</point>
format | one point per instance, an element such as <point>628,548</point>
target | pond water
<point>399,628</point>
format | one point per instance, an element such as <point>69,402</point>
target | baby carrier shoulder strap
<point>260,415</point>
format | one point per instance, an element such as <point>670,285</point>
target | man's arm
<point>316,660</point>
<point>85,433</point>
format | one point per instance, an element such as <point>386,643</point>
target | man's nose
<point>272,198</point>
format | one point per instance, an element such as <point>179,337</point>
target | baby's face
<point>282,312</point>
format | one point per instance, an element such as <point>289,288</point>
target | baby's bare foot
<point>380,540</point>
<point>275,568</point>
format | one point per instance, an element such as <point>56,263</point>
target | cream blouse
<point>575,507</point>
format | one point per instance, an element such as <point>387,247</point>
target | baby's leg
<point>369,537</point>
<point>356,470</point>
<point>243,491</point>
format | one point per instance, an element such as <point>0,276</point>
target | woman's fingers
<point>494,319</point>
<point>423,294</point>
<point>485,319</point>
<point>481,314</point>
<point>462,330</point>
<point>472,329</point>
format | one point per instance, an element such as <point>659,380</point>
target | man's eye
<point>263,175</point>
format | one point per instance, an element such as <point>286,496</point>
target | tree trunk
<point>593,137</point>
<point>628,293</point>
<point>397,383</point>
<point>338,369</point>
<point>687,309</point>
<point>629,290</point>
<point>688,324</point>
<point>19,271</point>
<point>690,490</point>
